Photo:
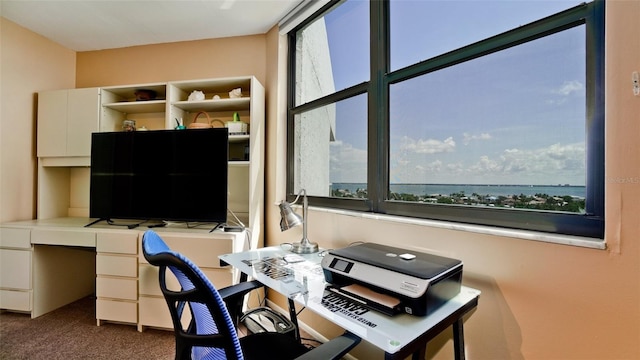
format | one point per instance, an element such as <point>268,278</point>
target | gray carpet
<point>71,333</point>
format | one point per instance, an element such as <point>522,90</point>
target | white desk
<point>399,336</point>
<point>48,263</point>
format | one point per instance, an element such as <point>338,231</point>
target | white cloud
<point>553,164</point>
<point>467,138</point>
<point>569,87</point>
<point>542,165</point>
<point>566,89</point>
<point>429,146</point>
<point>433,166</point>
<point>347,163</point>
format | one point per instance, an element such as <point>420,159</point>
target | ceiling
<point>85,25</point>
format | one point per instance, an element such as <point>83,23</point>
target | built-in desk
<point>46,264</point>
<point>398,336</point>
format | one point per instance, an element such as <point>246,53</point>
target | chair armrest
<point>240,289</point>
<point>233,296</point>
<point>335,348</point>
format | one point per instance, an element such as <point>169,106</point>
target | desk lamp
<point>289,219</point>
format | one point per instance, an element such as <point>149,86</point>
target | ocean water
<point>484,190</point>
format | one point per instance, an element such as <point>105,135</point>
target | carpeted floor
<point>71,333</point>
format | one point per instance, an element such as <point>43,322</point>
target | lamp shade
<point>288,218</point>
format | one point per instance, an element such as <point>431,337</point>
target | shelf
<point>138,107</point>
<point>214,105</point>
<point>238,138</point>
<point>239,163</point>
<point>127,93</point>
<point>220,86</point>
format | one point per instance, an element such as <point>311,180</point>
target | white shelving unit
<point>63,186</point>
<point>172,104</point>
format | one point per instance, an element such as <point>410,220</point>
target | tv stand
<point>131,226</point>
<point>95,222</point>
<point>160,224</point>
<point>216,227</point>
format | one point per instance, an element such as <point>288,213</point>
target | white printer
<point>392,280</point>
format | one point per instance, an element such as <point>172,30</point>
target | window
<point>492,115</point>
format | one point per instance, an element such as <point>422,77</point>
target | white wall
<point>29,63</point>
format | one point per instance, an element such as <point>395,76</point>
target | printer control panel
<point>341,265</point>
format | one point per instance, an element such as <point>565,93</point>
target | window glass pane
<point>331,147</point>
<point>496,127</point>
<point>332,53</point>
<point>423,29</point>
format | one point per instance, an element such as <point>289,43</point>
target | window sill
<point>478,229</point>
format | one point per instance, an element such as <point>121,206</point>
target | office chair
<point>211,333</point>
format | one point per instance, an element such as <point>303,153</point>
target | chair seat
<point>271,346</point>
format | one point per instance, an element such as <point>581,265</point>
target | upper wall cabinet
<point>66,119</point>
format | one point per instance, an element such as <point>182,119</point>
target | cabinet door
<point>52,123</point>
<point>66,119</point>
<point>82,119</point>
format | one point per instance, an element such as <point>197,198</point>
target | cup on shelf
<point>129,125</point>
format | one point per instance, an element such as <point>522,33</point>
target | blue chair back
<point>211,333</point>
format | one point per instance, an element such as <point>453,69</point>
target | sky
<point>513,117</point>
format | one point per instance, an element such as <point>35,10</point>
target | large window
<point>483,112</point>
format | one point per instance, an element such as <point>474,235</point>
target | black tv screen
<point>173,175</point>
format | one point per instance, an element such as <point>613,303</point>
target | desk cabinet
<point>15,269</point>
<point>117,276</point>
<point>203,250</point>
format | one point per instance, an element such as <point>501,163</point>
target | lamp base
<point>304,247</point>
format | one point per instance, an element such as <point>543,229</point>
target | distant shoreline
<point>481,189</point>
<point>443,184</point>
<point>567,198</point>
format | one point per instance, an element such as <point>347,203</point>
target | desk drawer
<point>117,288</point>
<point>15,300</point>
<point>202,250</point>
<point>63,237</point>
<point>117,242</point>
<point>122,311</point>
<point>149,284</point>
<point>154,312</point>
<point>116,265</point>
<point>15,269</point>
<point>15,238</point>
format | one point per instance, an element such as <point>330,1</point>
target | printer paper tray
<point>384,304</point>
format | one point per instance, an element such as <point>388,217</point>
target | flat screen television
<point>169,175</point>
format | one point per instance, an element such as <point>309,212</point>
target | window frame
<point>590,224</point>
